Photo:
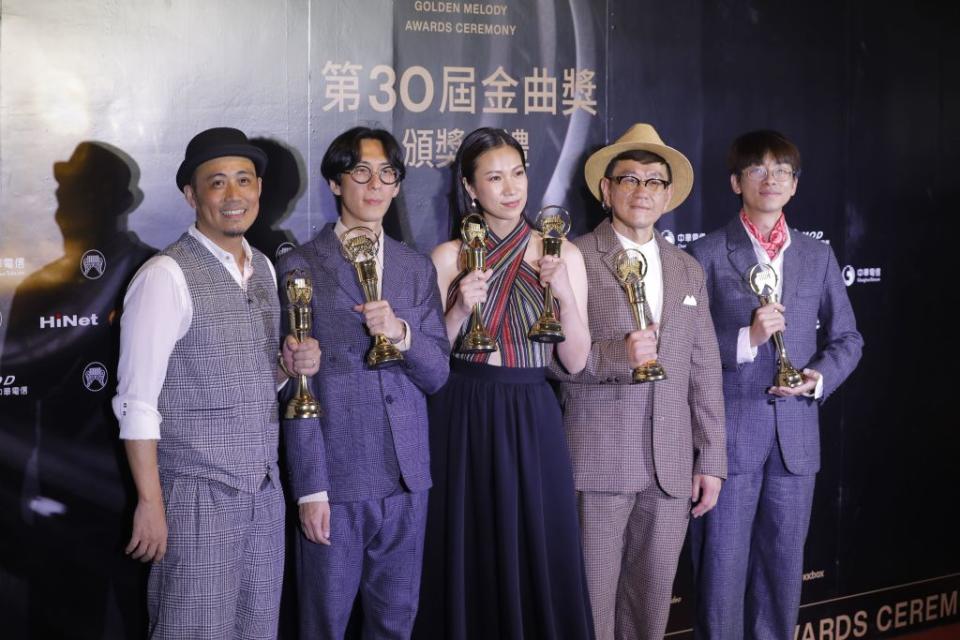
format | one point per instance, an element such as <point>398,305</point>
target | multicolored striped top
<point>514,302</point>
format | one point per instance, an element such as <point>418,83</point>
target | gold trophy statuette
<point>359,246</point>
<point>473,232</point>
<point>762,279</point>
<point>299,293</point>
<point>553,223</point>
<point>631,269</point>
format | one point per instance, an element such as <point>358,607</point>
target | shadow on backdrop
<point>66,498</point>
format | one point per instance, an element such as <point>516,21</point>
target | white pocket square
<point>690,301</point>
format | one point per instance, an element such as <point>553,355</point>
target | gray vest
<point>219,400</point>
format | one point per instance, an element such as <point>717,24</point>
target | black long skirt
<point>502,555</point>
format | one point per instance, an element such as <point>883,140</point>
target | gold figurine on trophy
<point>553,223</point>
<point>473,232</point>
<point>299,293</point>
<point>763,279</point>
<point>631,269</point>
<point>359,246</point>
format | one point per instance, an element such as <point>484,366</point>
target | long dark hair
<point>477,143</point>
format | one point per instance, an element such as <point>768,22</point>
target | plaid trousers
<point>223,570</point>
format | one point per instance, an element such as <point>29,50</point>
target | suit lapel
<point>673,277</point>
<point>608,245</point>
<point>792,263</point>
<point>392,276</point>
<point>740,250</point>
<point>327,247</point>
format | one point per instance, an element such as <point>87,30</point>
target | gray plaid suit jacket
<point>813,290</point>
<point>604,413</point>
<point>371,416</point>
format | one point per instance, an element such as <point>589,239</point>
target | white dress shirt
<point>157,312</point>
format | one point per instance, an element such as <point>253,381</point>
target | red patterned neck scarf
<point>778,235</point>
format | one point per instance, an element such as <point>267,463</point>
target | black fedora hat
<point>217,143</point>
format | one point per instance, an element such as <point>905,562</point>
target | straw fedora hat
<point>642,137</point>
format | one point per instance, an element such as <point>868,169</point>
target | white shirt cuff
<point>138,420</point>
<point>817,390</point>
<point>320,496</point>
<point>404,345</point>
<point>745,352</point>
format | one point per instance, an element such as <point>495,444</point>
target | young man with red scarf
<point>748,551</point>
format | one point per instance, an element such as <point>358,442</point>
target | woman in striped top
<point>502,556</point>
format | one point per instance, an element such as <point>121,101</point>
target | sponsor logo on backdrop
<point>62,321</point>
<point>860,275</point>
<point>816,574</point>
<point>93,264</point>
<point>9,386</point>
<point>817,235</point>
<point>284,247</point>
<point>13,266</point>
<point>681,240</point>
<point>95,377</point>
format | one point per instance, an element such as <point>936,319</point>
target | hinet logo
<point>60,321</point>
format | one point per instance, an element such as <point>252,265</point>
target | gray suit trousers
<point>631,547</point>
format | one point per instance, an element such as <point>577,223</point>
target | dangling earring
<point>474,206</point>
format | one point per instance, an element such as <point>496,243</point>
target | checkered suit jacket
<point>813,290</point>
<point>604,413</point>
<point>371,415</point>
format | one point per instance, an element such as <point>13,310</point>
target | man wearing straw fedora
<point>643,453</point>
<point>197,405</point>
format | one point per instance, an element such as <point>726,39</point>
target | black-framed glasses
<point>759,173</point>
<point>362,174</point>
<point>632,183</point>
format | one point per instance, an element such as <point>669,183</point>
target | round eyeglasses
<point>362,174</point>
<point>759,173</point>
<point>632,183</point>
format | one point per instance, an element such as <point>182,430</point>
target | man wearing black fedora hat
<point>197,407</point>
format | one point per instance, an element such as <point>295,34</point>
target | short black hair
<point>750,148</point>
<point>343,154</point>
<point>477,143</point>
<point>637,155</point>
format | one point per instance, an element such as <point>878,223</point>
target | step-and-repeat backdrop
<point>98,100</point>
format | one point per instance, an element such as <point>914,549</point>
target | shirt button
<point>389,399</point>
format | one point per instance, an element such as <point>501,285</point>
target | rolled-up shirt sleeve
<point>157,312</point>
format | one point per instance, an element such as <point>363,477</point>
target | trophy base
<point>477,343</point>
<point>790,378</point>
<point>383,354</point>
<point>652,372</point>
<point>302,407</point>
<point>547,331</point>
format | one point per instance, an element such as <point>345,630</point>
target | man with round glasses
<point>360,473</point>
<point>748,551</point>
<point>642,453</point>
